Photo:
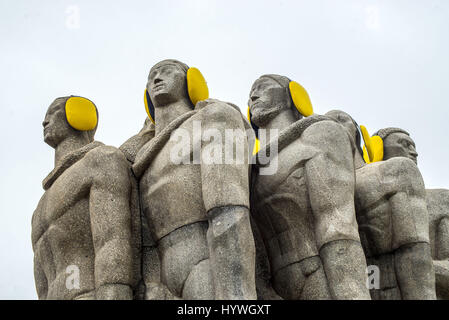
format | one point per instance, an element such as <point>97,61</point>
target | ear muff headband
<point>373,149</point>
<point>81,113</point>
<point>149,108</point>
<point>196,88</point>
<point>300,98</point>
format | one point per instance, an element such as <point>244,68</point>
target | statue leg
<point>199,283</point>
<point>414,272</point>
<point>304,280</point>
<point>412,255</point>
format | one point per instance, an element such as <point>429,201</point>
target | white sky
<point>384,62</point>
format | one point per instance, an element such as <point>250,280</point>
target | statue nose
<point>44,123</point>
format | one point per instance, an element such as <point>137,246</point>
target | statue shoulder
<point>131,146</point>
<point>438,202</point>
<point>219,111</point>
<point>105,158</point>
<point>401,166</point>
<point>326,134</point>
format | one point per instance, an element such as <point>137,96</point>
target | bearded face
<point>266,100</point>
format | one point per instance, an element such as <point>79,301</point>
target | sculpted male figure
<point>398,143</point>
<point>393,222</point>
<point>305,210</point>
<point>85,230</point>
<point>153,289</point>
<point>197,211</point>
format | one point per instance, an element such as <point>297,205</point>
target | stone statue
<point>398,143</point>
<point>393,221</point>
<point>197,211</point>
<point>86,228</point>
<point>153,289</point>
<point>305,210</point>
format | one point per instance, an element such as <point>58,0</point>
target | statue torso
<point>61,231</point>
<point>282,209</point>
<point>172,193</point>
<point>381,227</point>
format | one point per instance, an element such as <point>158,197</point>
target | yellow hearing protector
<point>300,98</point>
<point>301,101</point>
<point>373,149</point>
<point>196,88</point>
<point>81,113</point>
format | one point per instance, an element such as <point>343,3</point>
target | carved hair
<point>281,80</point>
<point>172,62</point>
<point>384,133</point>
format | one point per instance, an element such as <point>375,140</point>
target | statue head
<point>58,125</point>
<point>350,124</point>
<point>397,143</point>
<point>268,97</point>
<point>167,82</point>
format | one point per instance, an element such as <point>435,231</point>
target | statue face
<point>56,127</point>
<point>399,144</point>
<point>266,99</point>
<point>166,84</point>
<point>345,120</point>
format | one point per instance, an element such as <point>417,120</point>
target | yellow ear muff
<point>300,99</point>
<point>81,113</point>
<point>256,130</point>
<point>377,146</point>
<point>373,150</point>
<point>196,86</point>
<point>256,146</point>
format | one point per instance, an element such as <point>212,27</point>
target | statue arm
<point>40,280</point>
<point>441,263</point>
<point>232,253</point>
<point>265,290</point>
<point>111,226</point>
<point>330,180</point>
<point>442,239</point>
<point>225,189</point>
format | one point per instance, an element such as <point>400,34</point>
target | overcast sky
<point>384,62</point>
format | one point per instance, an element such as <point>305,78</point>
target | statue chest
<point>171,193</point>
<point>289,175</point>
<point>64,208</point>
